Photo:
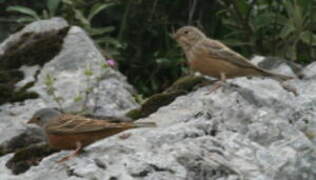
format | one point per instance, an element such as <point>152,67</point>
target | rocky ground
<point>248,129</point>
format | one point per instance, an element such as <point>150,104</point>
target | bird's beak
<point>174,35</point>
<point>31,121</point>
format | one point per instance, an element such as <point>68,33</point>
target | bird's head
<point>187,36</point>
<point>43,116</point>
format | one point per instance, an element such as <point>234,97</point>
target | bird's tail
<point>145,124</point>
<point>278,76</point>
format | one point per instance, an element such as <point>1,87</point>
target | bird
<point>213,58</point>
<point>73,132</point>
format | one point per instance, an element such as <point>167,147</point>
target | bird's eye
<point>186,32</point>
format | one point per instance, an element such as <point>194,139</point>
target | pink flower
<point>111,62</point>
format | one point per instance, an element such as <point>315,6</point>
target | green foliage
<point>30,15</point>
<point>279,28</point>
<point>82,97</point>
<point>51,90</point>
<point>78,13</point>
<point>137,33</point>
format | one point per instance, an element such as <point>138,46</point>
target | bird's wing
<point>71,124</point>
<point>218,50</point>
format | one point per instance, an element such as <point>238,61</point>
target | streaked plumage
<point>67,131</point>
<point>213,58</point>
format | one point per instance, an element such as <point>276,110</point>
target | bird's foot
<point>66,158</point>
<point>71,155</point>
<point>215,86</point>
<point>125,136</point>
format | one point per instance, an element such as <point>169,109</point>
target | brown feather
<point>213,58</point>
<point>74,124</point>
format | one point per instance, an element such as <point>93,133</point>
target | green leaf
<point>97,8</point>
<point>236,33</point>
<point>69,2</point>
<point>109,41</point>
<point>230,22</point>
<point>286,31</point>
<point>99,31</point>
<point>235,42</point>
<point>24,10</point>
<point>294,13</point>
<point>78,98</point>
<point>45,14</point>
<point>25,19</point>
<point>49,80</point>
<point>269,18</point>
<point>291,53</point>
<point>52,5</point>
<point>79,16</point>
<point>242,6</point>
<point>88,72</point>
<point>308,38</point>
<point>305,4</point>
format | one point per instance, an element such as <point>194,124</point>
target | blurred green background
<point>136,33</point>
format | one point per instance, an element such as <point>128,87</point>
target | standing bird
<point>67,131</point>
<point>213,58</point>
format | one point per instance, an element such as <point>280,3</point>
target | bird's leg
<point>73,154</point>
<point>218,83</point>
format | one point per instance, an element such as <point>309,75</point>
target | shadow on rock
<point>24,158</point>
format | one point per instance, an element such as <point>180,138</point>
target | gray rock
<point>109,92</point>
<point>14,117</point>
<point>278,65</point>
<point>309,71</point>
<point>38,27</point>
<point>29,73</point>
<point>247,129</point>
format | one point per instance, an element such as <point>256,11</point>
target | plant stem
<point>124,21</point>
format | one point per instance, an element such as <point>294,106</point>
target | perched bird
<point>67,131</point>
<point>213,58</point>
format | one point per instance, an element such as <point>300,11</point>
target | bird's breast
<point>68,141</point>
<point>200,59</point>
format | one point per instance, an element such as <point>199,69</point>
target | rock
<point>34,45</point>
<point>277,65</point>
<point>29,75</point>
<point>76,79</point>
<point>13,120</point>
<point>79,69</point>
<point>248,129</point>
<point>37,27</point>
<point>309,71</point>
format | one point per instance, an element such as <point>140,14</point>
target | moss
<point>20,141</point>
<point>134,113</point>
<point>22,95</point>
<point>158,100</point>
<point>2,151</point>
<point>310,135</point>
<point>153,103</point>
<point>24,158</point>
<point>33,48</point>
<point>30,49</point>
<point>187,83</point>
<point>10,76</point>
